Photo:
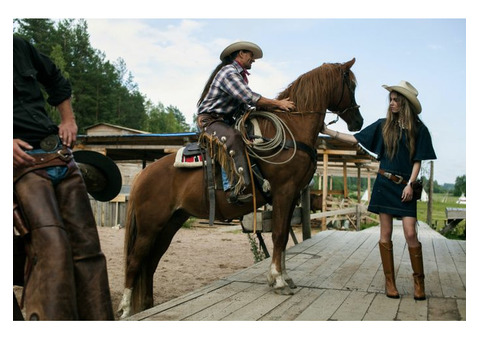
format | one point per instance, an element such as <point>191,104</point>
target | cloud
<point>171,63</point>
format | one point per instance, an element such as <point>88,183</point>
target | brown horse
<point>164,197</point>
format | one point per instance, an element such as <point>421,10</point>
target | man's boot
<point>416,258</point>
<point>386,254</point>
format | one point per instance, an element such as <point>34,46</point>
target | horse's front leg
<point>286,277</point>
<point>277,276</point>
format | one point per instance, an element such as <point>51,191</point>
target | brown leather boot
<point>386,254</point>
<point>416,258</point>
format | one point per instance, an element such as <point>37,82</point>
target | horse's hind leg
<point>142,263</point>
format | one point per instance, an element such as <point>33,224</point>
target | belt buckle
<point>392,177</point>
<point>50,143</point>
<point>400,179</point>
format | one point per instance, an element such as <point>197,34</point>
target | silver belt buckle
<point>50,143</point>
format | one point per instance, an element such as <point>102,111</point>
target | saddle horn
<point>101,175</point>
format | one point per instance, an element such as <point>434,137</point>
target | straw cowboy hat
<point>242,45</point>
<point>409,91</point>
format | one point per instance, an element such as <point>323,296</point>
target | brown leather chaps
<point>214,125</point>
<point>66,273</point>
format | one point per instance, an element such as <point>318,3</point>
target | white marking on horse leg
<point>124,306</point>
<point>275,279</point>
<point>273,275</point>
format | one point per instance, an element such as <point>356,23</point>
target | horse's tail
<point>138,294</point>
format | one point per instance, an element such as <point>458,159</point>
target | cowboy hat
<point>100,174</point>
<point>409,91</point>
<point>242,45</point>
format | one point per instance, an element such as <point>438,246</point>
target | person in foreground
<point>65,274</point>
<point>400,141</point>
<point>225,98</point>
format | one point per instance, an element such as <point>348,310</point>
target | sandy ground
<point>196,257</point>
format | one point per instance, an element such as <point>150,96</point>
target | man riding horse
<point>225,98</point>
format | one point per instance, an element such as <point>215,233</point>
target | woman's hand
<point>407,193</point>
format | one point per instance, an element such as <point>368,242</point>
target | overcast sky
<point>170,59</point>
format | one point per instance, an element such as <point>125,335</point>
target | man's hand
<point>20,157</point>
<point>67,131</point>
<point>286,104</point>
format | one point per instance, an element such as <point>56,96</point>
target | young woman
<point>401,141</point>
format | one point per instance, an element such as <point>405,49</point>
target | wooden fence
<point>112,213</point>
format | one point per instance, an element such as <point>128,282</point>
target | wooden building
<point>132,150</point>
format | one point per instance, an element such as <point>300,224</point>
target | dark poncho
<point>386,195</point>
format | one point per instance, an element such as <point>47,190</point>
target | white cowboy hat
<point>409,91</point>
<point>242,45</point>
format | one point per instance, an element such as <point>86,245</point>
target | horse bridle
<point>353,104</point>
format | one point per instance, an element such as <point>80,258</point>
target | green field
<point>440,202</point>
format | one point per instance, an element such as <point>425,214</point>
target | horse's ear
<point>349,64</point>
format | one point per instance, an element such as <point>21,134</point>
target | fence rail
<point>112,213</point>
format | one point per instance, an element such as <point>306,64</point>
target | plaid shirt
<point>229,94</point>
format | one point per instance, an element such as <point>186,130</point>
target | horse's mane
<point>309,90</point>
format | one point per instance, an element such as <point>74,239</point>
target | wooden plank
<point>317,268</point>
<point>262,305</point>
<point>452,284</point>
<point>354,307</point>
<point>351,264</point>
<point>382,308</point>
<point>245,295</point>
<point>178,301</point>
<point>458,254</point>
<point>462,309</point>
<point>346,211</point>
<point>339,277</point>
<point>441,309</point>
<point>362,278</point>
<point>433,286</point>
<point>412,310</point>
<point>456,213</point>
<point>186,311</point>
<point>324,306</point>
<point>291,308</point>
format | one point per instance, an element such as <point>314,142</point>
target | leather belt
<point>394,178</point>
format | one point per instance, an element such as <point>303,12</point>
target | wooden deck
<point>339,277</point>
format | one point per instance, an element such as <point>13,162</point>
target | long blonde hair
<point>392,130</point>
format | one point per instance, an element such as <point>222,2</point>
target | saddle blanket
<point>188,159</point>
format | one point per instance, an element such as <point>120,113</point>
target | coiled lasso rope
<point>268,145</point>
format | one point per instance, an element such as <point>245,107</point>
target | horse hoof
<point>270,280</point>
<point>284,291</point>
<point>291,284</point>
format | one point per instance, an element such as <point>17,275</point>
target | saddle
<point>195,155</point>
<point>190,156</point>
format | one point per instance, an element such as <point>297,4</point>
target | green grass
<point>440,202</point>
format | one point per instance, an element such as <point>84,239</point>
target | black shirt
<point>30,69</point>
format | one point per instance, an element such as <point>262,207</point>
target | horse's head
<point>343,99</point>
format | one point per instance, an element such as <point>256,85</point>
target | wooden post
<point>358,213</point>
<point>345,184</point>
<point>306,226</point>
<point>359,185</point>
<point>369,184</point>
<point>324,189</point>
<point>430,196</point>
